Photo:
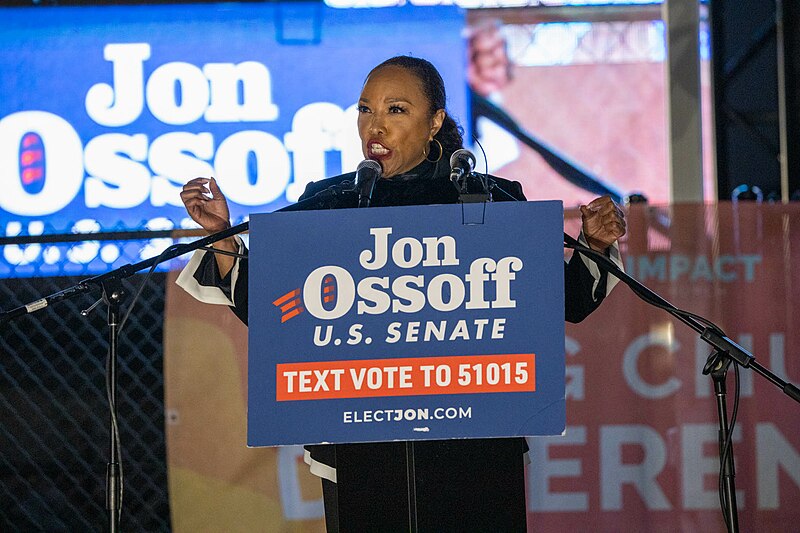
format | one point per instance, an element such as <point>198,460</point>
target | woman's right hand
<point>206,204</point>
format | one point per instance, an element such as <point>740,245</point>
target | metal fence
<point>54,413</point>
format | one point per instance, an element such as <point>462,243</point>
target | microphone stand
<point>365,190</point>
<point>725,351</point>
<point>113,295</point>
<point>335,193</point>
<point>469,196</point>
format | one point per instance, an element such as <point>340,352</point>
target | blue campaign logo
<point>407,311</point>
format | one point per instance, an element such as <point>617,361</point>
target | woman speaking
<point>478,483</point>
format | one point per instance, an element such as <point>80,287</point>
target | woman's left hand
<point>603,223</point>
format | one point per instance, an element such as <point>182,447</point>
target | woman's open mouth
<point>376,150</point>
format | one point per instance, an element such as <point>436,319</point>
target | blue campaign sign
<point>106,111</point>
<point>404,323</point>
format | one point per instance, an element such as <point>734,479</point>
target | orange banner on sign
<point>462,374</point>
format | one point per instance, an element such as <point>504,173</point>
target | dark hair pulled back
<point>450,134</point>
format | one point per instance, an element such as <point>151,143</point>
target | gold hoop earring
<point>441,152</point>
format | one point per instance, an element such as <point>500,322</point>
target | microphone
<point>462,163</point>
<point>367,173</point>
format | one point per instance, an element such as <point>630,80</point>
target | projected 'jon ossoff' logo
<point>330,292</point>
<point>124,168</point>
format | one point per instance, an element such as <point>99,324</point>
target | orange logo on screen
<point>31,160</point>
<point>291,303</point>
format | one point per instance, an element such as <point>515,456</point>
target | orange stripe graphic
<point>290,305</point>
<point>291,314</point>
<point>289,295</point>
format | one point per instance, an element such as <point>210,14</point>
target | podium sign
<point>404,323</point>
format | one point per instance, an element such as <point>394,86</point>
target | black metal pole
<point>729,509</point>
<point>411,480</point>
<point>113,295</point>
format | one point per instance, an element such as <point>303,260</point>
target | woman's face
<point>394,120</point>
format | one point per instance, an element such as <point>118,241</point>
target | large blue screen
<point>107,111</point>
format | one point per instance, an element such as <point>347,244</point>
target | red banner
<point>641,450</point>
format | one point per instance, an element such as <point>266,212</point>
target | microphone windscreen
<point>369,164</point>
<point>462,155</point>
